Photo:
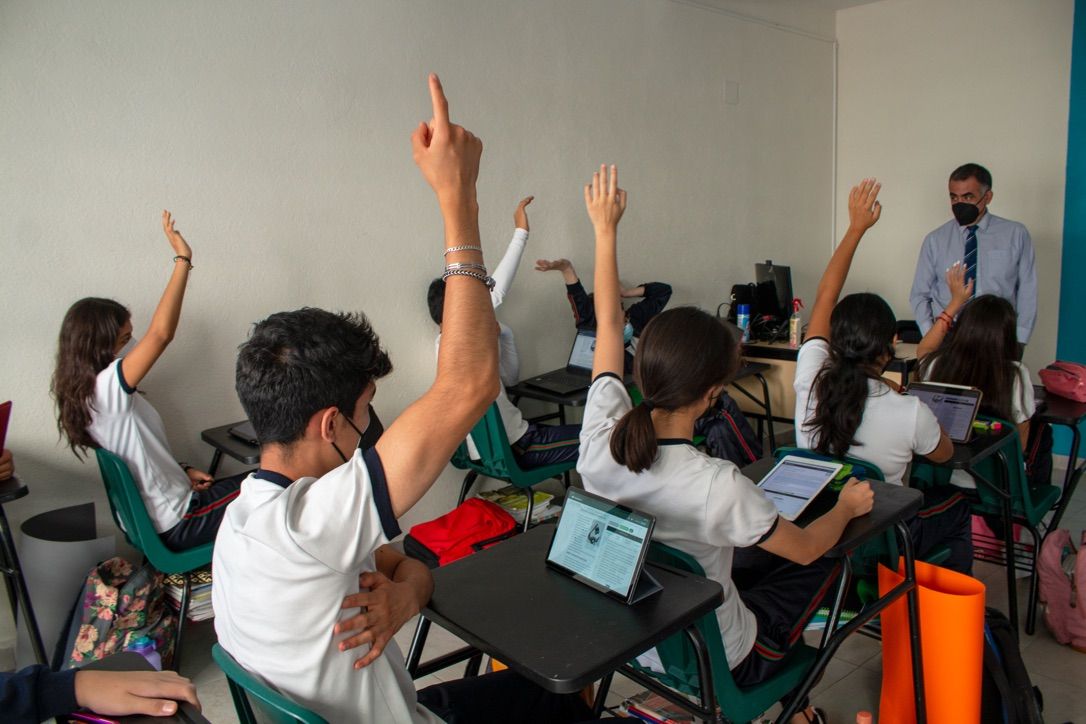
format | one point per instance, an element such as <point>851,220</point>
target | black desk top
<point>221,439</point>
<point>131,661</point>
<point>557,632</point>
<point>12,489</point>
<point>892,503</point>
<point>968,454</point>
<point>1058,410</point>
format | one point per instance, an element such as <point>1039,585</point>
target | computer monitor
<point>780,277</point>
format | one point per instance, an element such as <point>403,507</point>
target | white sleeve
<point>508,359</point>
<point>812,356</point>
<point>111,393</point>
<point>926,430</point>
<point>607,402</point>
<point>507,268</point>
<point>1023,404</point>
<point>342,517</point>
<point>737,513</point>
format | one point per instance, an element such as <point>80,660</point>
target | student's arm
<point>507,268</point>
<point>398,590</point>
<point>1025,300</point>
<point>960,293</point>
<point>656,296</point>
<point>863,211</point>
<point>806,545</point>
<point>569,274</point>
<point>943,451</point>
<point>923,289</point>
<point>7,464</point>
<point>158,336</point>
<point>606,202</point>
<point>417,446</point>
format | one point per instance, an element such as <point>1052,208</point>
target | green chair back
<point>131,516</point>
<point>496,459</point>
<point>680,663</point>
<point>252,697</point>
<point>1028,502</point>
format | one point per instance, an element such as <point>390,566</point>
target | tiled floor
<point>851,682</point>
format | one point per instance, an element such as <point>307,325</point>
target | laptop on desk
<point>577,374</point>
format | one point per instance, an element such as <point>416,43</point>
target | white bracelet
<point>464,247</point>
<point>488,281</point>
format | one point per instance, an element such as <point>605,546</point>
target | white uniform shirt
<point>126,424</point>
<point>893,429</point>
<point>703,505</point>
<point>286,555</point>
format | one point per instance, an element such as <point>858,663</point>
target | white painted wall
<point>277,133</point>
<point>926,85</point>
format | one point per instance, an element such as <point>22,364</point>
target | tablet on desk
<point>245,432</point>
<point>795,481</point>
<point>603,545</point>
<point>954,406</point>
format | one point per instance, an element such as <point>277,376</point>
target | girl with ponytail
<point>642,456</point>
<point>845,407</point>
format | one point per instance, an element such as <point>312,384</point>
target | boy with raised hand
<point>311,526</point>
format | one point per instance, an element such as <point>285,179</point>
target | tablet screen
<point>600,541</point>
<point>954,409</point>
<point>795,481</point>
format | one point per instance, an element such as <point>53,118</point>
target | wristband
<point>488,281</point>
<point>946,319</point>
<point>464,247</point>
<point>186,259</point>
<point>466,265</point>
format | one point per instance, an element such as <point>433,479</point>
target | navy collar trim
<point>272,477</point>
<point>674,441</point>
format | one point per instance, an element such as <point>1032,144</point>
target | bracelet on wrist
<point>466,265</point>
<point>464,247</point>
<point>485,279</point>
<point>186,259</point>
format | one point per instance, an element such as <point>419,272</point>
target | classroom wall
<point>926,85</point>
<point>277,133</point>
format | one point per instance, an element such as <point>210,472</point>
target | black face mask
<point>965,213</point>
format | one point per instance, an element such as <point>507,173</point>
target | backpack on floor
<point>1061,570</point>
<point>1007,694</point>
<point>471,526</point>
<point>728,434</point>
<point>117,606</point>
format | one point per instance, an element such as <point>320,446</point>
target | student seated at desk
<point>844,406</point>
<point>99,368</point>
<point>533,444</point>
<point>974,342</point>
<point>311,526</point>
<point>642,456</point>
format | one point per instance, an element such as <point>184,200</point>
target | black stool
<point>10,490</point>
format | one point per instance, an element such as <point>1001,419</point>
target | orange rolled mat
<point>952,647</point>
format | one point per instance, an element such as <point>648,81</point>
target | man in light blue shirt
<point>998,254</point>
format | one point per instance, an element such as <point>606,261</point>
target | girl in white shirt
<point>845,408</point>
<point>642,456</point>
<point>99,366</point>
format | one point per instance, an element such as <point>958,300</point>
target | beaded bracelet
<point>186,259</point>
<point>488,281</point>
<point>464,247</point>
<point>947,319</point>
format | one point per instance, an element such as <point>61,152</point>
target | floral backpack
<point>117,606</point>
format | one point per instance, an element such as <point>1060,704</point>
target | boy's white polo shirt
<point>703,505</point>
<point>126,424</point>
<point>286,555</point>
<point>893,429</point>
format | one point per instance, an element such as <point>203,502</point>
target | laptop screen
<point>601,542</point>
<point>955,407</point>
<point>584,350</point>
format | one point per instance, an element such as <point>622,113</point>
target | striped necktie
<point>970,259</point>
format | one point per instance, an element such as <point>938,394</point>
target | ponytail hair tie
<point>648,404</point>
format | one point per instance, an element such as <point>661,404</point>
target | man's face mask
<point>965,213</point>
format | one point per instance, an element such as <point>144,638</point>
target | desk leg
<point>768,412</point>
<point>601,694</point>
<point>1008,542</point>
<point>912,598</point>
<point>13,575</point>
<point>838,604</point>
<point>1070,479</point>
<point>705,671</point>
<point>417,643</point>
<point>216,458</point>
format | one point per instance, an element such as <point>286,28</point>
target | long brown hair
<point>683,353</point>
<point>88,338</point>
<point>981,351</point>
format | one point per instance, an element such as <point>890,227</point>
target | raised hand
<point>180,246</point>
<point>863,206</point>
<point>447,154</point>
<point>604,200</point>
<point>553,265</point>
<point>520,216</point>
<point>960,291</point>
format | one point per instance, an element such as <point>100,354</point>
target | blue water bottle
<point>145,647</point>
<point>742,320</point>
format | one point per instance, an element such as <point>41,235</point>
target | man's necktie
<point>970,259</point>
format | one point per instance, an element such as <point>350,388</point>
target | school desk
<point>1062,411</point>
<point>131,661</point>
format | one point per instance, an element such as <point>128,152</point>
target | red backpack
<point>472,526</point>
<point>1062,573</point>
<point>1066,379</point>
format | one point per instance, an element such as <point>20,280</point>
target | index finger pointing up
<point>441,105</point>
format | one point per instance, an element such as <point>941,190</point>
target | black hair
<point>981,351</point>
<point>973,170</point>
<point>297,363</point>
<point>682,354</point>
<point>88,341</point>
<point>435,299</point>
<point>862,329</point>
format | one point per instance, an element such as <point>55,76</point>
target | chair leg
<point>469,480</point>
<point>183,612</point>
<point>418,642</point>
<point>242,707</point>
<point>474,664</point>
<point>17,590</point>
<point>528,511</point>
<point>1034,584</point>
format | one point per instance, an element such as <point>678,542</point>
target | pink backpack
<point>1062,572</point>
<point>1066,379</point>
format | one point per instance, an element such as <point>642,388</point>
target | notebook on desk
<point>954,406</point>
<point>603,544</point>
<point>577,374</point>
